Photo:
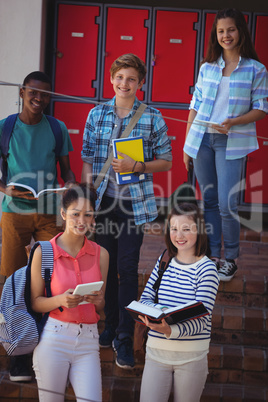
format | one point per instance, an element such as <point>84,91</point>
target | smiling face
<point>227,34</point>
<point>34,100</point>
<point>126,83</point>
<point>78,217</point>
<point>183,235</point>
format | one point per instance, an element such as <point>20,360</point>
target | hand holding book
<point>172,315</point>
<point>27,192</point>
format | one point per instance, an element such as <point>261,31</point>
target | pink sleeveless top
<point>69,272</point>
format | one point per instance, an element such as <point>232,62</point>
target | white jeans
<point>68,351</point>
<point>189,380</point>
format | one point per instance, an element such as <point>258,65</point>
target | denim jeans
<point>117,233</point>
<point>219,180</point>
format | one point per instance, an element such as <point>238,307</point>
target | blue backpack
<point>20,326</point>
<point>6,135</point>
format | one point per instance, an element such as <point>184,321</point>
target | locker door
<point>126,32</point>
<point>174,56</point>
<point>261,35</point>
<point>256,191</point>
<point>74,115</point>
<point>256,167</point>
<point>76,66</point>
<point>165,183</point>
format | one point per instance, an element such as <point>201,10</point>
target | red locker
<point>74,115</point>
<point>126,32</point>
<point>76,67</point>
<point>261,35</point>
<point>165,183</point>
<point>174,56</point>
<point>256,170</point>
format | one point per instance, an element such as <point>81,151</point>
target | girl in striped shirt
<point>178,353</point>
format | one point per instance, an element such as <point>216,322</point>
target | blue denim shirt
<point>96,148</point>
<point>248,90</point>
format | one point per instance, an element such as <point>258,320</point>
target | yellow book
<point>134,148</point>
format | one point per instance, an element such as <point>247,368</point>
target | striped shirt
<point>182,284</point>
<point>96,148</point>
<point>248,90</point>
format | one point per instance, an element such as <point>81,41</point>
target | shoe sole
<point>20,378</point>
<point>124,367</point>
<point>105,346</point>
<point>226,278</point>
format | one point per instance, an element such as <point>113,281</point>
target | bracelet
<point>133,169</point>
<point>143,167</point>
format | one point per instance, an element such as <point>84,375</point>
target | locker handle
<point>265,143</point>
<point>172,137</point>
<point>59,54</point>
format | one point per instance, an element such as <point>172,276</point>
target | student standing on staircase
<point>231,90</point>
<point>31,160</point>
<point>123,209</point>
<point>177,354</point>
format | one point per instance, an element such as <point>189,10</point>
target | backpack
<point>6,135</point>
<point>20,326</point>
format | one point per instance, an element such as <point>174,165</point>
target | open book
<point>22,187</point>
<point>133,147</point>
<point>172,315</point>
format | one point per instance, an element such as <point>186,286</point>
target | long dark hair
<point>192,211</point>
<point>245,45</point>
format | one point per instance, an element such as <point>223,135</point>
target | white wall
<point>21,41</point>
<point>20,47</point>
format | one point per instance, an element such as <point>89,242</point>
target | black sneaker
<point>19,370</point>
<point>106,337</point>
<point>124,353</point>
<point>227,270</point>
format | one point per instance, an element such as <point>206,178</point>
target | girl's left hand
<point>123,165</point>
<point>224,127</point>
<point>163,327</point>
<point>96,298</point>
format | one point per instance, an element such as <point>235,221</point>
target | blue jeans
<point>219,180</point>
<point>117,233</point>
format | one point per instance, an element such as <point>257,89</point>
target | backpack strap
<point>47,263</point>
<point>163,265</point>
<point>4,144</point>
<point>56,128</point>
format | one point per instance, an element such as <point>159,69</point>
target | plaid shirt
<point>96,148</point>
<point>248,90</point>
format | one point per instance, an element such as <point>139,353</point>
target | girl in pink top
<point>69,346</point>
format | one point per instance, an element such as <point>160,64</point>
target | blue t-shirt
<point>31,160</point>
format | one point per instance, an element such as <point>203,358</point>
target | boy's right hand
<point>13,192</point>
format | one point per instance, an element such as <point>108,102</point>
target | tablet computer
<point>87,289</point>
<point>207,123</point>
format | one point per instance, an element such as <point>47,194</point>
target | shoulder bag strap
<point>163,264</point>
<point>125,134</point>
